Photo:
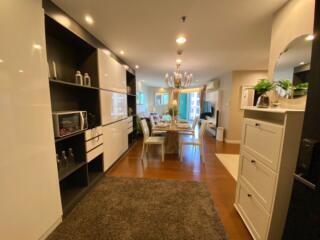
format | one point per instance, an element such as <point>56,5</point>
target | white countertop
<point>273,109</point>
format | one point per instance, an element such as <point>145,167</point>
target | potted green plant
<point>262,87</point>
<point>173,111</point>
<point>300,89</point>
<point>286,86</point>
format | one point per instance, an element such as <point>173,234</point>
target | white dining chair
<point>153,125</point>
<point>150,140</point>
<point>193,128</point>
<point>195,142</point>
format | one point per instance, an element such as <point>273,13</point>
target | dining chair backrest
<point>202,130</point>
<point>195,122</point>
<point>152,121</point>
<point>145,129</point>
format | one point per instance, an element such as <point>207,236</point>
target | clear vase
<point>263,101</point>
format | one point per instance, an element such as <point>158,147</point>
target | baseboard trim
<point>232,141</point>
<point>51,229</point>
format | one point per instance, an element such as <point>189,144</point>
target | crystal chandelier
<point>178,79</point>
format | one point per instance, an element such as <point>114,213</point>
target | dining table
<point>173,131</point>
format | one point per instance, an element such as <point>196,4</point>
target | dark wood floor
<point>220,183</point>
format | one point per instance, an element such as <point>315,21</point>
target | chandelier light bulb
<point>181,40</point>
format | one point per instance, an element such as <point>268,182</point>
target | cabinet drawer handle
<point>257,124</point>
<point>249,195</point>
<point>253,161</point>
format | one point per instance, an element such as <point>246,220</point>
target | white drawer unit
<point>252,211</point>
<point>92,154</point>
<point>92,133</point>
<point>263,140</point>
<point>269,151</point>
<point>94,142</point>
<point>261,178</point>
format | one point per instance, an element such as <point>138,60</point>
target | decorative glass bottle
<point>78,78</point>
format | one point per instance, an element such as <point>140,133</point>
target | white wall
<point>151,91</point>
<point>143,108</point>
<point>291,21</point>
<point>214,98</point>
<point>30,200</point>
<point>230,98</point>
<point>239,79</point>
<point>225,96</point>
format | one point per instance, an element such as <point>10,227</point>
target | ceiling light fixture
<point>20,71</point>
<point>301,63</point>
<point>88,19</point>
<point>121,52</point>
<point>178,61</point>
<point>126,67</point>
<point>181,40</point>
<point>310,37</point>
<point>137,67</point>
<point>1,61</point>
<point>178,79</point>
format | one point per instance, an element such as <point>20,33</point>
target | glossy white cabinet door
<point>113,106</point>
<point>30,200</point>
<point>112,74</point>
<point>115,140</point>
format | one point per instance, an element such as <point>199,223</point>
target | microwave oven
<point>69,122</point>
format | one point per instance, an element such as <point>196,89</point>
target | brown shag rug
<point>120,208</point>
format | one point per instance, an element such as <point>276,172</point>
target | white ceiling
<point>222,35</point>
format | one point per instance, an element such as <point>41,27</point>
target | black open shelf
<point>72,167</point>
<point>72,84</point>
<point>70,53</point>
<point>67,97</point>
<point>132,104</point>
<point>69,136</point>
<point>95,169</point>
<point>73,187</point>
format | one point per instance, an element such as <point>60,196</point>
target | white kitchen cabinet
<point>30,197</point>
<point>115,140</point>
<point>112,74</point>
<point>113,106</point>
<point>269,151</point>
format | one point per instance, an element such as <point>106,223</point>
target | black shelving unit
<point>70,53</point>
<point>132,106</point>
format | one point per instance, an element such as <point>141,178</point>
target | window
<point>161,98</point>
<point>140,98</point>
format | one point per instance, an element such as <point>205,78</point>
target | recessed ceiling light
<point>126,67</point>
<point>181,40</point>
<point>137,67</point>
<point>121,52</point>
<point>1,61</point>
<point>178,61</point>
<point>37,46</point>
<point>301,63</point>
<point>20,71</point>
<point>309,37</point>
<point>88,19</point>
